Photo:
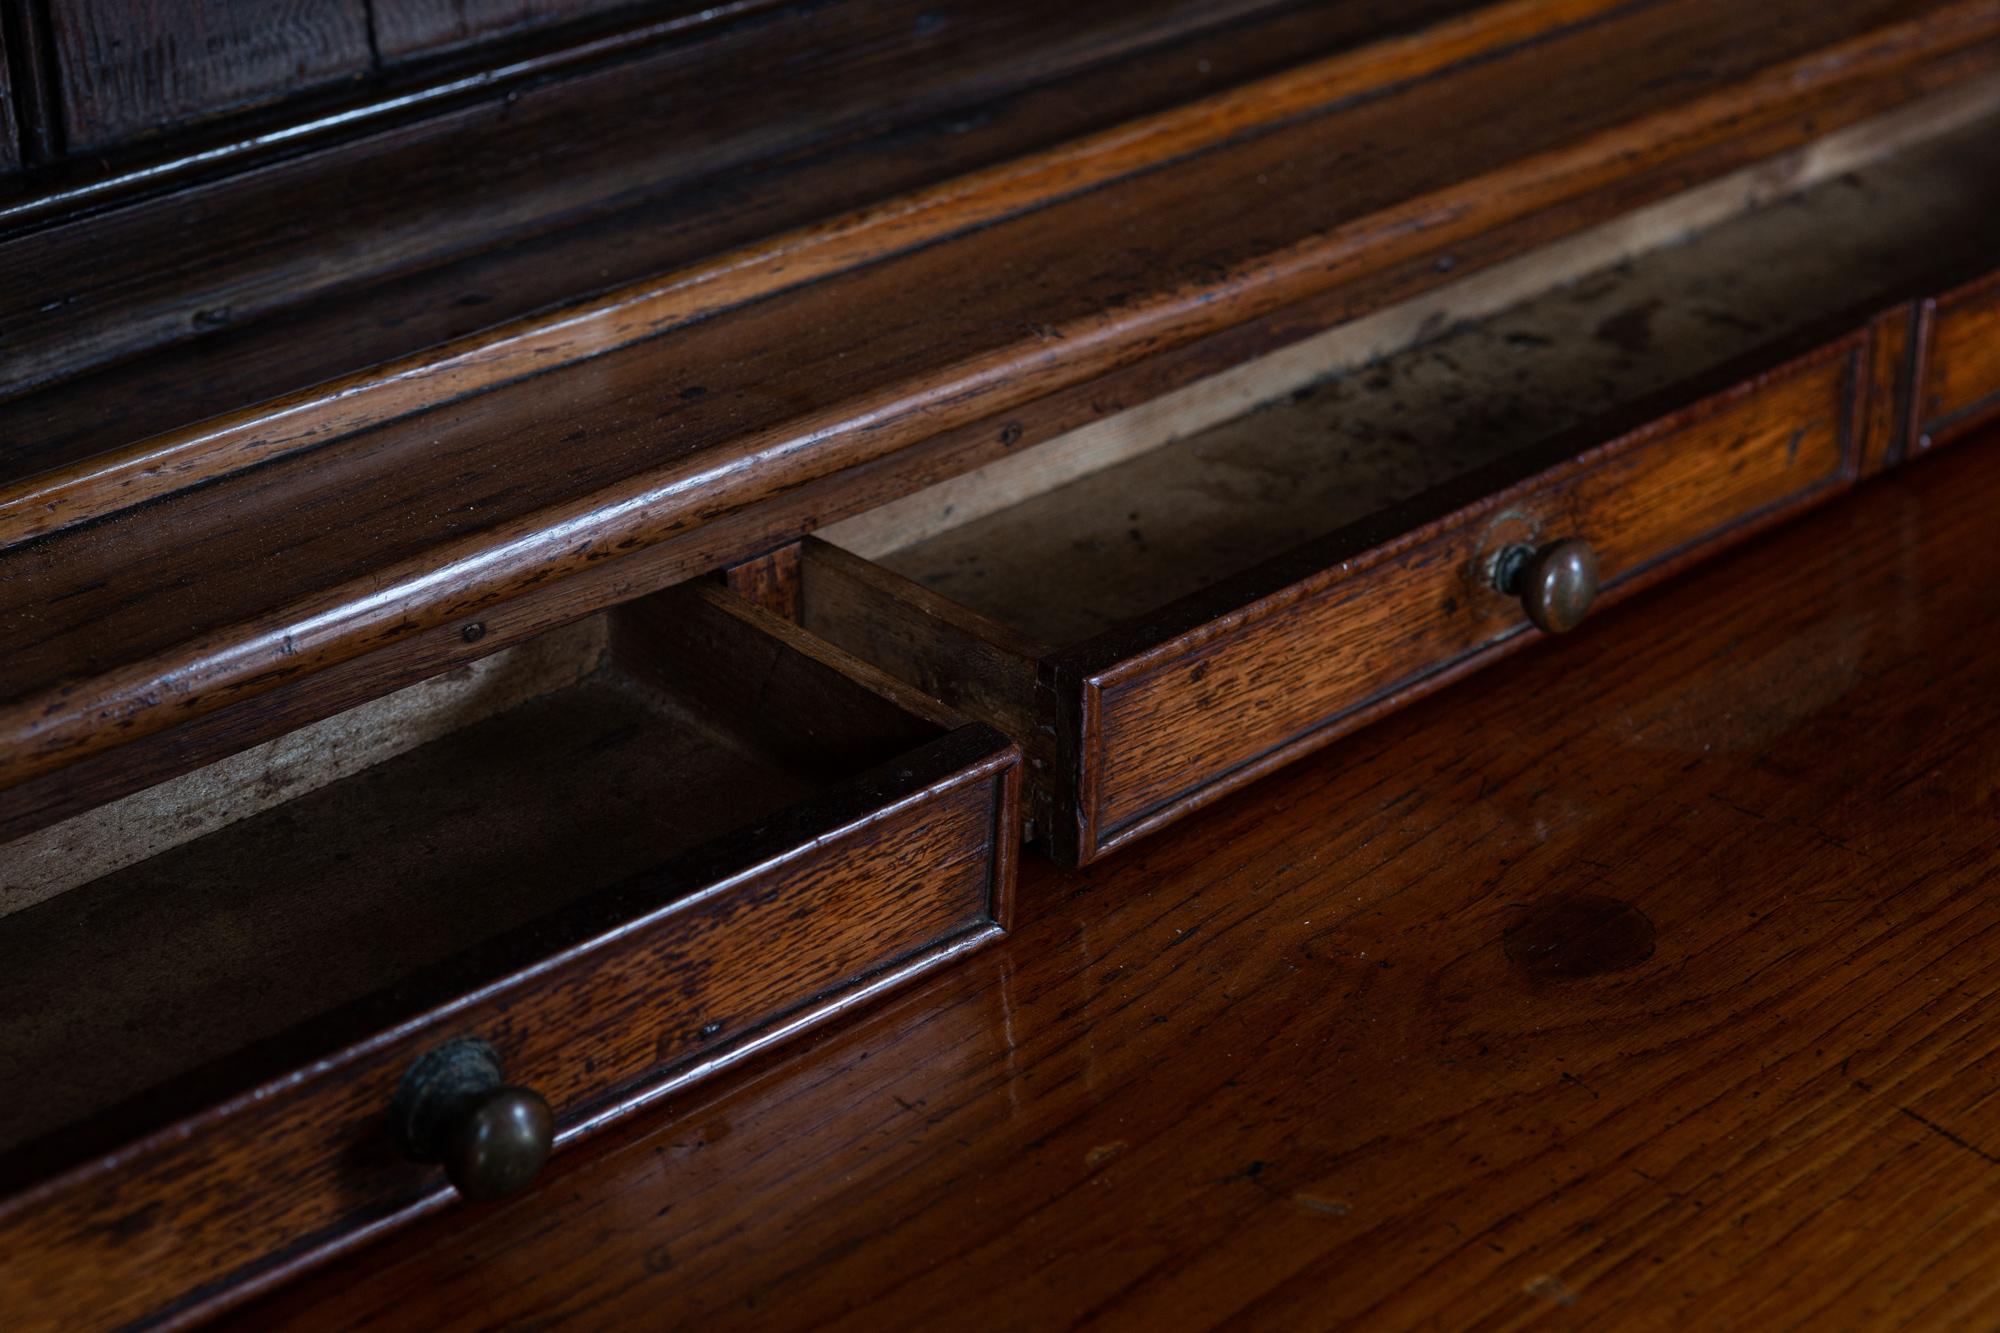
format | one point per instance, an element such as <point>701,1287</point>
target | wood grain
<point>100,665</point>
<point>276,1153</point>
<point>130,68</point>
<point>1644,985</point>
<point>770,581</point>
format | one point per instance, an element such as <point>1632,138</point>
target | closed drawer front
<point>1254,685</point>
<point>1958,362</point>
<point>880,847</point>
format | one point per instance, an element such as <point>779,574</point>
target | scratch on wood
<point>1951,1138</point>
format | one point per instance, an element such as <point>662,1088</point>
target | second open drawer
<point>1131,727</point>
<point>1162,611</point>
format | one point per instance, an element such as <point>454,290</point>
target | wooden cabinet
<point>1098,414</point>
<point>689,833</point>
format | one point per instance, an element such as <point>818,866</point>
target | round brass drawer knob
<point>453,1108</point>
<point>1556,583</point>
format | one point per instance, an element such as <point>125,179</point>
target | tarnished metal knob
<point>1556,583</point>
<point>453,1108</point>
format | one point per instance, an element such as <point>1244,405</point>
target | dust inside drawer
<point>415,830</point>
<point>1094,551</point>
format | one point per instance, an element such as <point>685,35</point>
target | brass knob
<point>453,1108</point>
<point>1556,584</point>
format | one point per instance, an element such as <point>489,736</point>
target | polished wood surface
<point>1643,983</point>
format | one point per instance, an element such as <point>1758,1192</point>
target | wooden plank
<point>28,102</point>
<point>133,68</point>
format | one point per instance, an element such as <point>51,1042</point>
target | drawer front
<point>1958,363</point>
<point>1182,724</point>
<point>907,879</point>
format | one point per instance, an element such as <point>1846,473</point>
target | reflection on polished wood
<point>1644,981</point>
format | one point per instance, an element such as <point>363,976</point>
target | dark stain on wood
<point>1577,936</point>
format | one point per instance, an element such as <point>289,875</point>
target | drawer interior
<point>616,745</point>
<point>1076,538</point>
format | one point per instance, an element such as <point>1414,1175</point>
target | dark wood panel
<point>130,68</point>
<point>407,28</point>
<point>505,491</point>
<point>1644,983</point>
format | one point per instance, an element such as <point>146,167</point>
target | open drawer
<point>1170,607</point>
<point>597,866</point>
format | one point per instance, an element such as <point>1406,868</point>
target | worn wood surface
<point>1430,390</point>
<point>770,580</point>
<point>215,1033</point>
<point>1644,984</point>
<point>493,497</point>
